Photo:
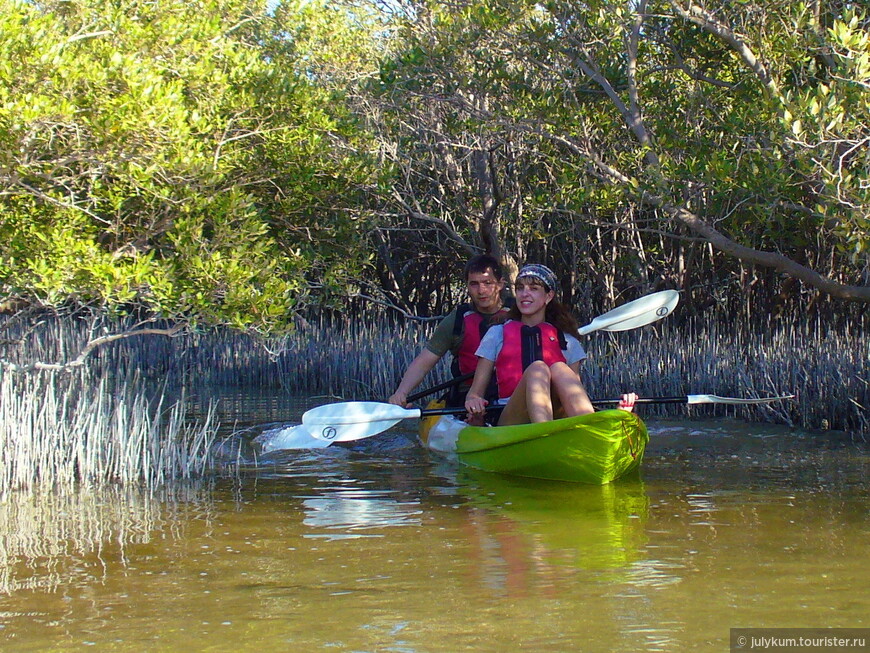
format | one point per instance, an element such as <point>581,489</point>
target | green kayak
<point>597,448</point>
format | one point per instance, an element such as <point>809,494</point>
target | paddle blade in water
<point>291,437</point>
<point>354,420</point>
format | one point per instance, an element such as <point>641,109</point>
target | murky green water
<point>381,547</point>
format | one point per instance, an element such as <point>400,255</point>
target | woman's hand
<point>475,406</point>
<point>627,402</point>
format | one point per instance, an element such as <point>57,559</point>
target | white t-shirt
<point>492,342</point>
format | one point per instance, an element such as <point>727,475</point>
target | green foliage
<point>227,162</point>
<point>171,157</point>
<point>753,115</point>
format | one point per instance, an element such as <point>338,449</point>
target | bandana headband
<point>540,272</point>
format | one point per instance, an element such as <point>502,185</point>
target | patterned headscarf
<point>541,272</point>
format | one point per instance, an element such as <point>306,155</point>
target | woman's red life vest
<point>522,346</point>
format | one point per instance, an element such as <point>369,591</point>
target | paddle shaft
<point>441,386</point>
<point>460,410</point>
<point>683,399</point>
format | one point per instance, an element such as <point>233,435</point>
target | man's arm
<point>438,345</point>
<point>416,372</point>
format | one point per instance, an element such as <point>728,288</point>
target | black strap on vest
<point>532,347</point>
<point>459,322</point>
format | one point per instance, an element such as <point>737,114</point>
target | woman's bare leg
<point>531,401</point>
<point>569,388</point>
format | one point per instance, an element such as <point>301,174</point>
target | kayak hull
<point>597,448</point>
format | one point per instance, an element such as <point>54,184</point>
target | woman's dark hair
<point>560,316</point>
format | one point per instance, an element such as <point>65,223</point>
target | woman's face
<point>532,296</point>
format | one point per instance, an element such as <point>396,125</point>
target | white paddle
<point>354,420</point>
<point>637,313</point>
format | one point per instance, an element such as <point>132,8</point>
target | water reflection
<point>43,535</point>
<point>380,546</point>
<point>350,514</point>
<point>528,531</point>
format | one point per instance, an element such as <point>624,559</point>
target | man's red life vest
<point>472,325</point>
<point>522,346</point>
<point>472,333</point>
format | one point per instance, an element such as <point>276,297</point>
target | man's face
<point>485,291</point>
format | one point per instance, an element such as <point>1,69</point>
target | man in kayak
<point>536,358</point>
<point>460,332</point>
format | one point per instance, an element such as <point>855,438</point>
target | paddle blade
<point>292,437</point>
<point>354,420</point>
<point>695,399</point>
<point>638,313</point>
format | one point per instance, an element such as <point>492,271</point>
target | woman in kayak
<point>536,356</point>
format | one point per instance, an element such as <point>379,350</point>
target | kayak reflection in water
<point>536,356</point>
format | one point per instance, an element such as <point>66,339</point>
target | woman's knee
<point>537,369</point>
<point>563,374</point>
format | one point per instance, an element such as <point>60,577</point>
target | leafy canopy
<point>175,158</point>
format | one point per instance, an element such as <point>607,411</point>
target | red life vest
<point>522,346</point>
<point>472,325</point>
<point>471,337</point>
